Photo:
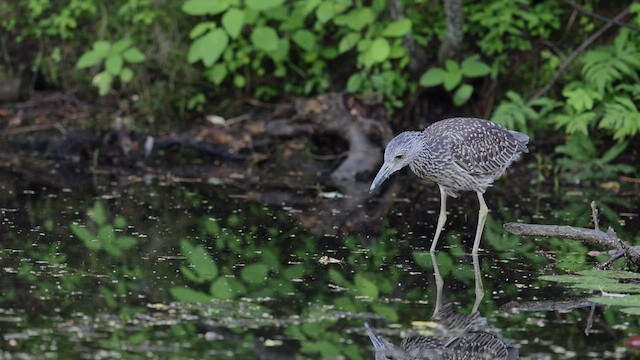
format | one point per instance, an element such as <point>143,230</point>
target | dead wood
<point>597,237</point>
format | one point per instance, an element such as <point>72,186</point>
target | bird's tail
<point>523,140</point>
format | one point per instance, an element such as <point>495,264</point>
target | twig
<point>606,239</point>
<point>601,17</point>
<point>576,53</point>
<point>594,215</point>
<point>606,264</point>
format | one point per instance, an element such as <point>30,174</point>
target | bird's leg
<point>439,283</point>
<point>479,287</point>
<point>482,217</point>
<point>442,218</point>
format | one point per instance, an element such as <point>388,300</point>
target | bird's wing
<point>484,153</point>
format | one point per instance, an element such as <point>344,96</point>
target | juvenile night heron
<point>459,154</point>
<point>457,337</point>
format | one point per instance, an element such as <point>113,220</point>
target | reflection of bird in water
<point>459,154</point>
<point>457,337</point>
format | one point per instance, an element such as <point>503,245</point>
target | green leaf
<point>98,214</point>
<point>387,311</point>
<point>609,287</point>
<point>126,75</point>
<point>254,273</point>
<point>239,80</point>
<point>264,38</point>
<point>89,239</point>
<point>113,64</point>
<point>365,287</point>
<point>627,301</point>
<point>119,222</point>
<point>614,152</point>
<point>189,295</point>
<point>325,12</point>
<point>614,274</point>
<point>106,234</point>
<point>423,259</point>
<point>578,279</point>
<point>472,67</point>
<point>201,28</point>
<point>451,80</point>
<point>89,59</point>
<point>221,288</point>
<point>205,7</point>
<point>433,77</point>
<point>305,39</point>
<point>356,19</point>
<point>379,50</point>
<point>103,81</point>
<point>259,5</point>
<point>348,42</point>
<point>631,310</point>
<point>355,82</point>
<point>337,278</point>
<point>126,242</point>
<point>218,73</point>
<point>102,47</point>
<point>209,47</point>
<point>133,55</point>
<point>200,260</point>
<point>462,94</point>
<point>232,21</point>
<point>397,28</point>
<point>121,45</point>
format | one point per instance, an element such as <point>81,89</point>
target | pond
<point>127,267</point>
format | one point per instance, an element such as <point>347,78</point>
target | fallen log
<point>608,239</point>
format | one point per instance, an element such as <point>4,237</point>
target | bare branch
<point>597,237</point>
<point>582,48</point>
<point>601,17</point>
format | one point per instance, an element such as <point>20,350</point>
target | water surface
<point>120,268</point>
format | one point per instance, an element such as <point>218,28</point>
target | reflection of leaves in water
<point>106,238</point>
<point>612,285</point>
<point>254,273</point>
<point>205,269</point>
<point>365,287</point>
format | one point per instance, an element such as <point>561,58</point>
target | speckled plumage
<point>459,337</point>
<point>465,154</point>
<point>459,154</point>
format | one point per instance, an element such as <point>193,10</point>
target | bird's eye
<point>399,157</point>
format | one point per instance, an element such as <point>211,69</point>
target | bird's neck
<point>423,157</point>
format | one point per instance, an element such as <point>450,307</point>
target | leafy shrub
<point>256,42</point>
<point>451,77</point>
<point>115,57</point>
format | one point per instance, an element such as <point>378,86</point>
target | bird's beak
<point>384,349</point>
<point>383,174</point>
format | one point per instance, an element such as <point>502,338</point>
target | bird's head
<point>400,152</point>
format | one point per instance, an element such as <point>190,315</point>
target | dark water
<point>124,269</point>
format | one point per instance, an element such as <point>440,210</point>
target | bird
<point>459,154</point>
<point>456,337</point>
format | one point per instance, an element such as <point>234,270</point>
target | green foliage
<point>612,287</point>
<point>451,77</point>
<point>45,18</point>
<point>583,161</point>
<point>115,57</point>
<point>504,25</point>
<point>274,39</point>
<point>515,113</point>
<point>105,237</point>
<point>605,98</point>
